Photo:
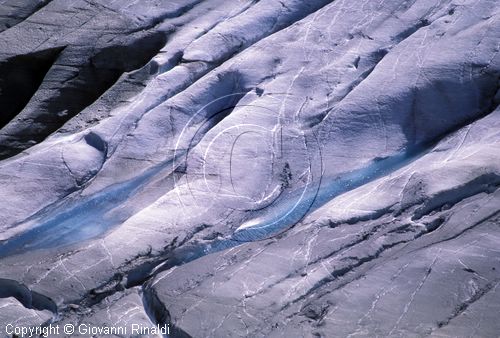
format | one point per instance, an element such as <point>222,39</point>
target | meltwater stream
<point>88,218</point>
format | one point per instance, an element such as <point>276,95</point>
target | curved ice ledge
<point>285,213</point>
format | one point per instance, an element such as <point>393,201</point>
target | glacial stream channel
<point>76,223</point>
